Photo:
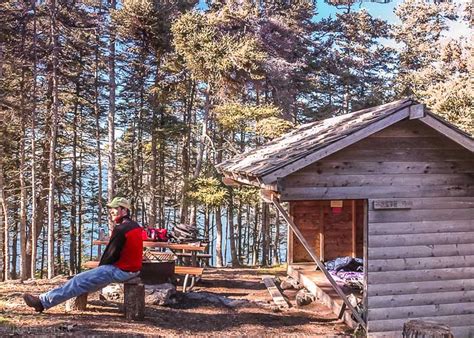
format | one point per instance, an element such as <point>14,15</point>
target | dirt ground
<point>191,315</point>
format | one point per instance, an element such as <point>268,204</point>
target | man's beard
<point>118,219</point>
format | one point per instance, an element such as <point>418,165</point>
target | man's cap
<point>119,202</point>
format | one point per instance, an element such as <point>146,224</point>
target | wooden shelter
<point>393,184</point>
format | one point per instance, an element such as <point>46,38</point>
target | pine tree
<point>433,69</point>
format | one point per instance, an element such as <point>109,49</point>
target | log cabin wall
<point>323,227</point>
<point>420,191</point>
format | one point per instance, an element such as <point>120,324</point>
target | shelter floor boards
<point>317,283</point>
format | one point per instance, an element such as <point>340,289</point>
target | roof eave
<point>449,130</point>
<point>245,179</point>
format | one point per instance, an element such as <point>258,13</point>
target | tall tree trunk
<point>211,234</point>
<point>265,234</point>
<point>3,214</point>
<point>80,199</point>
<point>23,240</point>
<point>185,154</point>
<point>202,146</point>
<point>59,233</point>
<point>239,233</point>
<point>72,222</point>
<point>54,123</point>
<point>111,116</point>
<point>276,246</point>
<point>246,245</point>
<point>218,236</point>
<point>154,154</point>
<point>206,226</point>
<point>256,237</point>
<point>24,272</point>
<point>43,249</point>
<point>137,187</point>
<point>233,251</point>
<point>154,150</point>
<point>162,158</point>
<point>3,204</point>
<point>34,229</point>
<point>97,137</point>
<point>13,272</point>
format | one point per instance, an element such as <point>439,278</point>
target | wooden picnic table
<point>192,273</point>
<point>193,249</point>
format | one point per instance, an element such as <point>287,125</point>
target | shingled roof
<point>313,141</point>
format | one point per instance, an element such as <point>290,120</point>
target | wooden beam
<point>275,292</point>
<point>231,182</point>
<point>354,220</point>
<point>365,234</point>
<point>238,179</point>
<point>336,146</point>
<point>290,237</point>
<point>266,195</point>
<point>450,132</point>
<point>321,231</point>
<point>318,262</point>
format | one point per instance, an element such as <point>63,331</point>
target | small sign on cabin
<point>393,204</point>
<point>336,204</point>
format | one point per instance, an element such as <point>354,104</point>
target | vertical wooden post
<point>354,220</point>
<point>321,230</point>
<point>365,237</point>
<point>289,259</point>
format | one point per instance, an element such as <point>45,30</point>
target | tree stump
<point>421,328</point>
<point>134,300</point>
<point>78,303</point>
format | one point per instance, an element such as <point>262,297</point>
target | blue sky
<point>378,10</point>
<point>386,12</point>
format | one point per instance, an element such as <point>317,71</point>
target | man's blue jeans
<point>87,281</point>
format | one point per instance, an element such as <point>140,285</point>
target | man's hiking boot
<point>33,301</point>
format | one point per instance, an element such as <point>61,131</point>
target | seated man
<point>121,261</point>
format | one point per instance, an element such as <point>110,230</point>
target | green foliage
<point>420,32</point>
<point>453,100</point>
<point>354,70</point>
<point>247,194</point>
<point>208,191</point>
<point>212,54</point>
<point>148,21</point>
<point>235,116</point>
<point>433,69</point>
<point>273,127</point>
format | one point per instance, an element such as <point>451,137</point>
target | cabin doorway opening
<point>336,230</point>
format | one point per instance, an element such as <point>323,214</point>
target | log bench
<point>133,300</point>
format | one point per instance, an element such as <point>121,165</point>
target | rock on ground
<point>160,294</point>
<point>304,297</point>
<point>290,283</point>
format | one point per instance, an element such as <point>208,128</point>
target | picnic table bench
<point>191,273</point>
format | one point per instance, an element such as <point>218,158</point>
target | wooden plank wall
<point>337,229</point>
<point>420,259</point>
<point>421,263</point>
<point>408,159</point>
<point>306,215</point>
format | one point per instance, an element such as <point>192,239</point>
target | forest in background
<point>142,98</point>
